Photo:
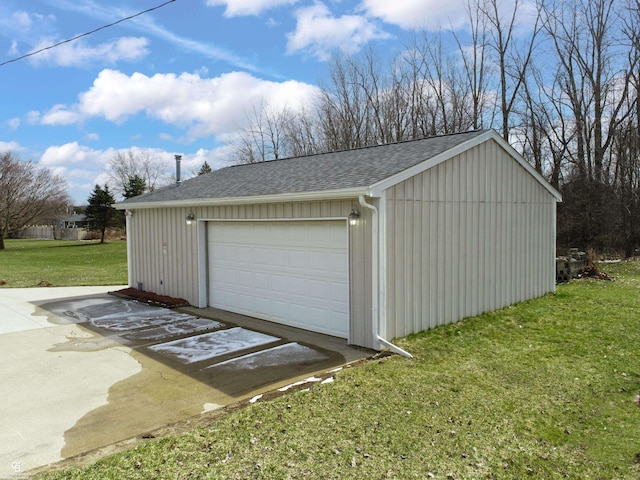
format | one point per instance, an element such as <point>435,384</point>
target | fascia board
<point>527,166</point>
<point>260,199</point>
<point>376,189</point>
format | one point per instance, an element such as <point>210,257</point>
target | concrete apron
<point>82,372</point>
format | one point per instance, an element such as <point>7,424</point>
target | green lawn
<point>543,389</point>
<point>27,263</point>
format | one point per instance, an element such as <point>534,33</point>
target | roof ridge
<point>365,147</point>
<point>338,170</point>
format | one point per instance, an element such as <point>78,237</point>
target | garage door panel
<point>297,258</point>
<point>261,305</point>
<point>317,261</point>
<point>339,292</point>
<point>339,261</point>
<point>294,273</point>
<point>318,289</point>
<point>244,253</point>
<point>223,252</point>
<point>280,284</point>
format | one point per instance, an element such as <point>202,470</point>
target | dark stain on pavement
<point>189,365</point>
<point>232,359</point>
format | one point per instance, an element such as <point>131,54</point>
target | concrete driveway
<point>83,369</point>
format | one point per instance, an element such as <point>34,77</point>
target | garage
<point>290,272</point>
<point>367,245</point>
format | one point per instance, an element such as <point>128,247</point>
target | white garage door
<point>295,273</point>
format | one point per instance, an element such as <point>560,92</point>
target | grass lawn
<point>543,389</point>
<point>27,263</point>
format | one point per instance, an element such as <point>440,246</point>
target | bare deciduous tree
<point>28,195</point>
<point>303,132</point>
<point>513,53</point>
<point>474,63</point>
<point>594,76</point>
<point>545,137</point>
<point>626,143</point>
<point>594,107</point>
<point>344,112</point>
<point>125,166</point>
<point>445,101</point>
<point>265,136</point>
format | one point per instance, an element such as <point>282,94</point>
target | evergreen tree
<point>100,213</point>
<point>134,187</point>
<point>205,168</point>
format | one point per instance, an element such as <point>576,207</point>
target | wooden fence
<point>48,232</point>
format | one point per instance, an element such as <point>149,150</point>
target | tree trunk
<point>1,241</point>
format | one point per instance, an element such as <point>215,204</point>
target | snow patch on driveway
<point>184,327</point>
<point>288,354</point>
<point>211,345</point>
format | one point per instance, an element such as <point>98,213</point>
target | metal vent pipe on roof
<point>178,179</point>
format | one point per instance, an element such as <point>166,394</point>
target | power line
<point>87,33</point>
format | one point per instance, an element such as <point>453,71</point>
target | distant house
<point>75,220</point>
<point>67,227</point>
<point>366,244</point>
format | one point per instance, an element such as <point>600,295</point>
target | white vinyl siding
<point>295,273</point>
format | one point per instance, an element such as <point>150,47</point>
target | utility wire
<point>87,33</point>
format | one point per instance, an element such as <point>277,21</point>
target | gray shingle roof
<point>347,169</point>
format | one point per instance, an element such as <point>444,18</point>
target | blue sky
<point>181,79</point>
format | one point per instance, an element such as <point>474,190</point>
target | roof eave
<point>377,189</point>
<point>258,199</point>
<point>527,166</point>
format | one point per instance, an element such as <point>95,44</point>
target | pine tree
<point>134,187</point>
<point>205,168</point>
<point>100,213</point>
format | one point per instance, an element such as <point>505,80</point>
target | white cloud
<point>13,123</point>
<point>10,146</point>
<point>78,53</point>
<point>57,115</point>
<point>22,23</point>
<point>202,106</point>
<point>248,7</point>
<point>22,20</point>
<point>417,14</point>
<point>318,33</point>
<point>13,50</point>
<point>33,117</point>
<point>216,158</point>
<point>72,154</point>
<point>84,167</point>
<point>79,165</point>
